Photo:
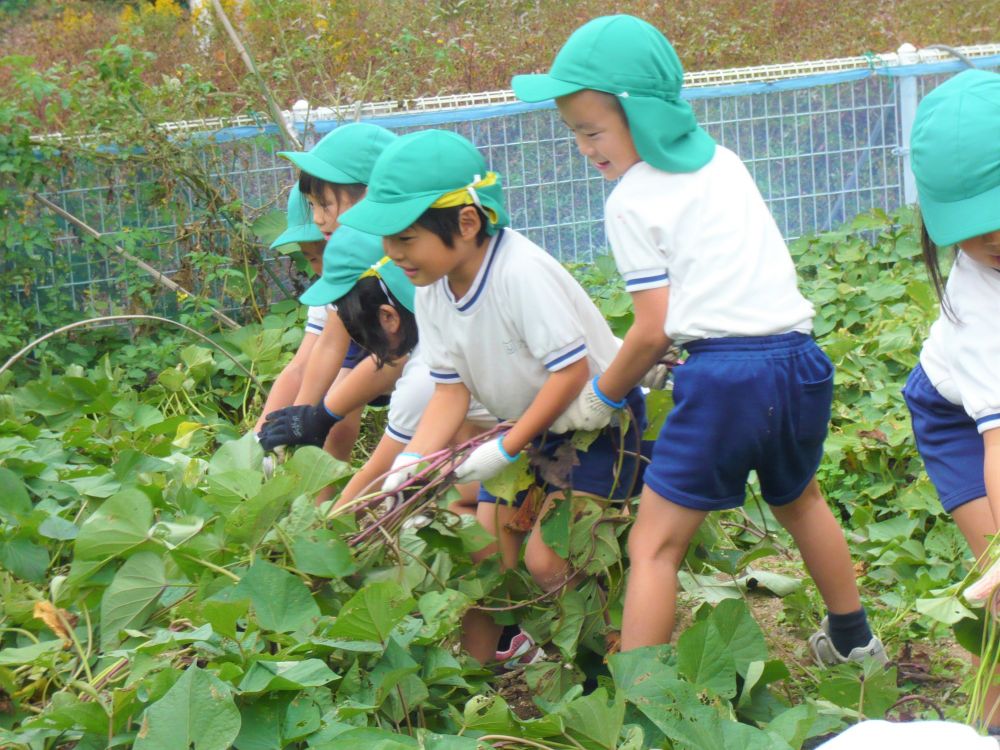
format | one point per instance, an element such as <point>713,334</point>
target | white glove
<point>404,467</point>
<point>269,462</point>
<point>485,462</point>
<point>591,410</point>
<point>657,377</point>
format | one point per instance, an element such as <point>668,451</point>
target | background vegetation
<point>371,50</point>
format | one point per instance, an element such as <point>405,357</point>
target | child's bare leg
<point>656,547</point>
<point>480,634</point>
<point>975,521</point>
<point>468,492</point>
<point>821,542</point>
<point>549,570</point>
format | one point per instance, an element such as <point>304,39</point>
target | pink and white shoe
<point>522,651</point>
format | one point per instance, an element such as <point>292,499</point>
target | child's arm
<point>289,380</point>
<point>644,344</point>
<point>305,424</point>
<point>561,387</point>
<point>364,383</point>
<point>442,418</point>
<point>324,362</point>
<point>379,463</point>
<point>558,392</point>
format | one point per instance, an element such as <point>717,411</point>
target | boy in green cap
<point>333,176</point>
<point>687,225</point>
<point>299,230</point>
<point>954,393</point>
<point>374,300</point>
<point>501,320</point>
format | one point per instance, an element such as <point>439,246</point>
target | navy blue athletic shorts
<point>611,467</point>
<point>948,441</point>
<point>742,404</point>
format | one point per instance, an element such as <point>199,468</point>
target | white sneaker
<point>825,654</point>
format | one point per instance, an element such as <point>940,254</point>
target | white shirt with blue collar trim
<point>411,395</point>
<point>710,237</point>
<point>523,318</point>
<point>962,357</point>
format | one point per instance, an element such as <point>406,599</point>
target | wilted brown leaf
<point>57,620</point>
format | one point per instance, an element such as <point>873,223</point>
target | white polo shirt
<point>523,318</point>
<point>411,395</point>
<point>709,236</point>
<point>962,357</point>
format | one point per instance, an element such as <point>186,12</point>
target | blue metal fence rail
<point>822,147</point>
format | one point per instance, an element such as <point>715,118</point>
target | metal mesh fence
<point>822,149</point>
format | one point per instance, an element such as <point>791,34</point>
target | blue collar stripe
<point>486,274</point>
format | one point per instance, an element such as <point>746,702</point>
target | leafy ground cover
<point>157,591</point>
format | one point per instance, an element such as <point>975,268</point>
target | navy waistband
<point>776,343</point>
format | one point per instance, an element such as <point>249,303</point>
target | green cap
<point>349,256</point>
<point>344,156</point>
<point>629,58</point>
<point>300,226</point>
<point>416,171</point>
<point>955,153</point>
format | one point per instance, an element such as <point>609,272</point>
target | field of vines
<point>157,591</point>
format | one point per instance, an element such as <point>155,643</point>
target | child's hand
<point>402,469</point>
<point>297,425</point>
<point>485,462</point>
<point>589,411</point>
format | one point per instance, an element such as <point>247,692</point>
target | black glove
<point>297,425</point>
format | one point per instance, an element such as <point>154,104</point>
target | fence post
<point>907,55</point>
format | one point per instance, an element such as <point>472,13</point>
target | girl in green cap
<point>333,176</point>
<point>709,271</point>
<point>299,230</point>
<point>954,392</point>
<point>500,320</point>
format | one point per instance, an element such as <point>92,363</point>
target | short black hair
<point>359,312</point>
<point>444,223</point>
<point>312,185</point>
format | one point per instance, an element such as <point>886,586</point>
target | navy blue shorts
<point>948,441</point>
<point>612,467</point>
<point>756,403</point>
<point>354,355</point>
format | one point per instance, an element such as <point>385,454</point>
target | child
<point>687,225</point>
<point>300,229</point>
<point>954,392</point>
<point>333,177</point>
<point>500,320</point>
<point>374,301</point>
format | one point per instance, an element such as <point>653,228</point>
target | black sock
<point>509,631</point>
<point>849,631</point>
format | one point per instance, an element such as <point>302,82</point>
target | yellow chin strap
<point>374,269</point>
<point>467,196</point>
